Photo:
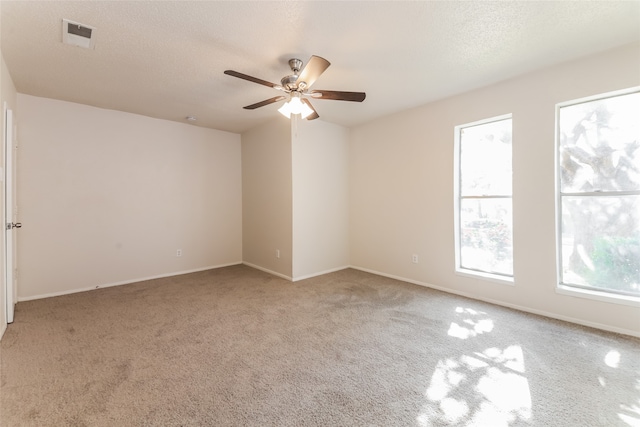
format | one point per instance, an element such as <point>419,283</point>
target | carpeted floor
<point>239,347</point>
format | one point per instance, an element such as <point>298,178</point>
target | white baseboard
<point>320,273</point>
<point>505,304</point>
<point>124,282</point>
<point>266,270</point>
<point>295,279</point>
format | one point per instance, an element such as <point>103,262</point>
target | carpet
<point>238,347</point>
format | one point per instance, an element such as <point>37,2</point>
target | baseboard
<point>295,279</point>
<point>320,273</point>
<point>125,282</point>
<point>3,330</point>
<point>595,325</point>
<point>266,270</point>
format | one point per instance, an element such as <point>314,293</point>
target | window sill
<point>598,296</point>
<point>503,280</point>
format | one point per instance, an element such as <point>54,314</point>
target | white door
<point>10,225</point>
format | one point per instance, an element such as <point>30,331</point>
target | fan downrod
<point>289,82</point>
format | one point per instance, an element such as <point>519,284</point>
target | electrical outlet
<point>414,258</point>
<point>179,252</point>
<point>277,253</point>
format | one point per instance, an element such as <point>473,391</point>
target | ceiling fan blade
<point>313,115</point>
<point>314,68</point>
<point>251,79</point>
<point>265,102</point>
<point>338,95</point>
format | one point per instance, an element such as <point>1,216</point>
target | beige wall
<point>267,197</point>
<point>295,197</point>
<point>108,197</point>
<point>7,94</point>
<point>401,178</point>
<point>320,198</point>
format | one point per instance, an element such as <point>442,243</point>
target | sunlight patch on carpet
<point>485,388</point>
<point>630,414</point>
<point>630,421</point>
<point>469,327</point>
<point>612,359</point>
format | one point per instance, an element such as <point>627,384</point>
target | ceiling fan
<point>298,85</point>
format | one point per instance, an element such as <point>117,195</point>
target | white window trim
<point>597,295</point>
<point>459,270</point>
<point>490,277</point>
<point>563,288</point>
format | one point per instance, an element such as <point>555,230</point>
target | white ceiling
<point>166,59</point>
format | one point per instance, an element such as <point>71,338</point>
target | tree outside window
<point>599,194</point>
<point>484,218</point>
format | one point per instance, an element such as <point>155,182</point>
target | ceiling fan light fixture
<point>295,106</point>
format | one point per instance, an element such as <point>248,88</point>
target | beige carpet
<point>239,347</point>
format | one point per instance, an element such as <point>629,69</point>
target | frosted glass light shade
<point>295,106</point>
<point>285,110</point>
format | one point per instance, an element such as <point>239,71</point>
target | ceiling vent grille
<point>77,34</point>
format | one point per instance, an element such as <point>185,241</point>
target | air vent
<point>77,34</point>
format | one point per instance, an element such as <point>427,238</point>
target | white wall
<point>401,178</point>
<point>267,197</point>
<point>108,197</point>
<point>295,197</point>
<point>320,197</point>
<point>7,94</point>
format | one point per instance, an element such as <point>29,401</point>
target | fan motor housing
<point>289,82</point>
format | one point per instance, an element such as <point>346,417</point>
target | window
<point>483,199</point>
<point>598,161</point>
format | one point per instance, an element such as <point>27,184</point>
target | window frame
<point>574,289</point>
<point>457,196</point>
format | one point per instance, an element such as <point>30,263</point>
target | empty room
<point>312,213</point>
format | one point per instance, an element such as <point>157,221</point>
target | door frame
<point>9,285</point>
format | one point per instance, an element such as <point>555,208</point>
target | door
<point>10,225</point>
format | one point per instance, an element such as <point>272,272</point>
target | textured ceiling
<point>166,59</point>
